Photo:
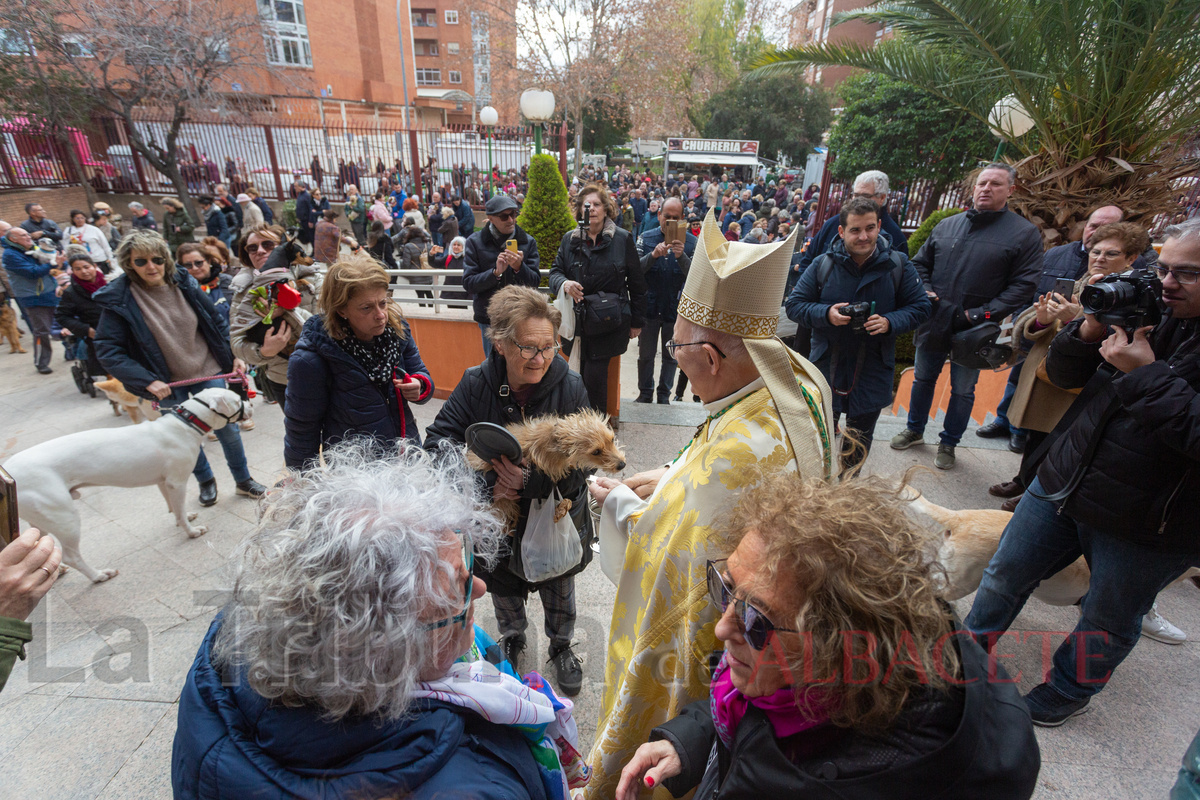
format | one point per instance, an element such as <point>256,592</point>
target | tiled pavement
<point>92,713</point>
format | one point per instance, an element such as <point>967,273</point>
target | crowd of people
<point>778,624</point>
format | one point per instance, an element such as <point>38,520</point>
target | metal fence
<point>271,154</point>
<point>909,205</point>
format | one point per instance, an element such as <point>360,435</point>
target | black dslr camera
<point>1128,300</point>
<point>858,314</point>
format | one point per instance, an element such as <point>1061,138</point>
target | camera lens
<point>1102,297</point>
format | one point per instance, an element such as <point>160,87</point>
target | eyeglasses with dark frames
<point>673,345</point>
<point>469,559</point>
<point>755,624</point>
<point>1184,277</point>
<point>528,351</point>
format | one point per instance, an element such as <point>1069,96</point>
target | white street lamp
<point>537,106</point>
<point>1008,120</point>
<point>489,118</point>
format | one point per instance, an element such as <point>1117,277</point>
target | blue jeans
<point>1126,578</point>
<point>229,436</point>
<point>1010,389</point>
<point>962,395</point>
<point>487,343</point>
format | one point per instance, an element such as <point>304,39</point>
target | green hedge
<point>546,214</point>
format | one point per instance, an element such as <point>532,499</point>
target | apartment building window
<point>483,77</point>
<point>14,43</point>
<point>455,76</point>
<point>429,77</point>
<point>452,48</point>
<point>77,46</point>
<point>287,40</point>
<point>426,47</point>
<point>451,17</point>
<point>424,18</point>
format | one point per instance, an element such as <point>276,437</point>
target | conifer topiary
<point>922,233</point>
<point>546,214</point>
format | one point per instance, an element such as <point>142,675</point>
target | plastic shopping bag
<point>566,307</point>
<point>549,548</point>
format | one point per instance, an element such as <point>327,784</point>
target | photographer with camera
<point>1119,482</point>
<point>857,298</point>
<point>978,267</point>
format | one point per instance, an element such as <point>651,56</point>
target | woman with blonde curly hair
<point>355,369</point>
<point>347,663</point>
<point>844,674</point>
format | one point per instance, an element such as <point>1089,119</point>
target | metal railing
<point>406,293</point>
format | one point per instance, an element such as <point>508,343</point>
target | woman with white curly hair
<point>347,663</point>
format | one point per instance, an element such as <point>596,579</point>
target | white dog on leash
<point>161,453</point>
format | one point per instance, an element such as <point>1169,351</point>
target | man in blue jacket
<point>215,223</point>
<point>304,214</point>
<point>639,206</point>
<point>666,266</point>
<point>873,185</point>
<point>857,354</point>
<point>464,215</point>
<point>33,289</point>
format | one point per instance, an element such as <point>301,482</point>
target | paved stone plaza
<point>92,712</point>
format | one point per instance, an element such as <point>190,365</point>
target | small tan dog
<point>136,407</point>
<point>557,445</point>
<point>971,538</point>
<point>9,329</point>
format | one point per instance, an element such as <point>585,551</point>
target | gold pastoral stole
<point>656,550</point>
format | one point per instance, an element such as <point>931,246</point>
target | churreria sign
<point>715,146</point>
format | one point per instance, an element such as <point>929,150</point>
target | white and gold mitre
<point>736,287</point>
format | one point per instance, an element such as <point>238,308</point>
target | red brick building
<point>811,22</point>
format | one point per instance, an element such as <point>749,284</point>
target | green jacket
<point>14,633</point>
<point>178,227</point>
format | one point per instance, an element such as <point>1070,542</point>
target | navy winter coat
<point>466,219</point>
<point>232,742</point>
<point>835,349</point>
<point>215,223</point>
<point>829,231</point>
<point>664,276</point>
<point>479,270</point>
<point>127,349</point>
<point>330,397</point>
<point>304,217</point>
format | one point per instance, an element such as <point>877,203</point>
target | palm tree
<point>1112,88</point>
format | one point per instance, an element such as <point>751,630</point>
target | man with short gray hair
<point>873,185</point>
<point>978,266</point>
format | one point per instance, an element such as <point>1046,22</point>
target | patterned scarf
<point>378,357</point>
<point>92,286</point>
<point>787,719</point>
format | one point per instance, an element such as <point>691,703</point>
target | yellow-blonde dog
<point>970,539</point>
<point>9,329</point>
<point>556,445</point>
<point>136,407</point>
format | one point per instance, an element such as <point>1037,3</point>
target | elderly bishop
<point>768,410</point>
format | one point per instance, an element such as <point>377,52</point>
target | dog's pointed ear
<point>948,534</point>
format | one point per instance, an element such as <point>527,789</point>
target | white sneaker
<point>1160,630</point>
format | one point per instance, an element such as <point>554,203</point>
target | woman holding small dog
<point>355,370</point>
<point>158,327</point>
<point>524,378</point>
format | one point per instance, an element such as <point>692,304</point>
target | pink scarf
<point>787,719</point>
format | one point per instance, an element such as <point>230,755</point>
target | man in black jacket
<point>978,266</point>
<point>488,264</point>
<point>665,265</point>
<point>304,214</point>
<point>1120,485</point>
<point>1068,260</point>
<point>39,225</point>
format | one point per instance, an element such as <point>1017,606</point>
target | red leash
<point>238,377</point>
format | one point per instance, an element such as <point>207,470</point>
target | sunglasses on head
<point>755,625</point>
<point>266,246</point>
<point>158,260</point>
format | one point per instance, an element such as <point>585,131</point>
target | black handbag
<point>601,313</point>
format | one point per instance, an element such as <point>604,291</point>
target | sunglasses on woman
<point>158,260</point>
<point>755,625</point>
<point>469,559</point>
<point>266,246</point>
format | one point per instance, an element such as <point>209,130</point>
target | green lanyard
<point>700,428</point>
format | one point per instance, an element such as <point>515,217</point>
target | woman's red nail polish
<point>650,781</point>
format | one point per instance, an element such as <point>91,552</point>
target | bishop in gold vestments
<point>656,550</point>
